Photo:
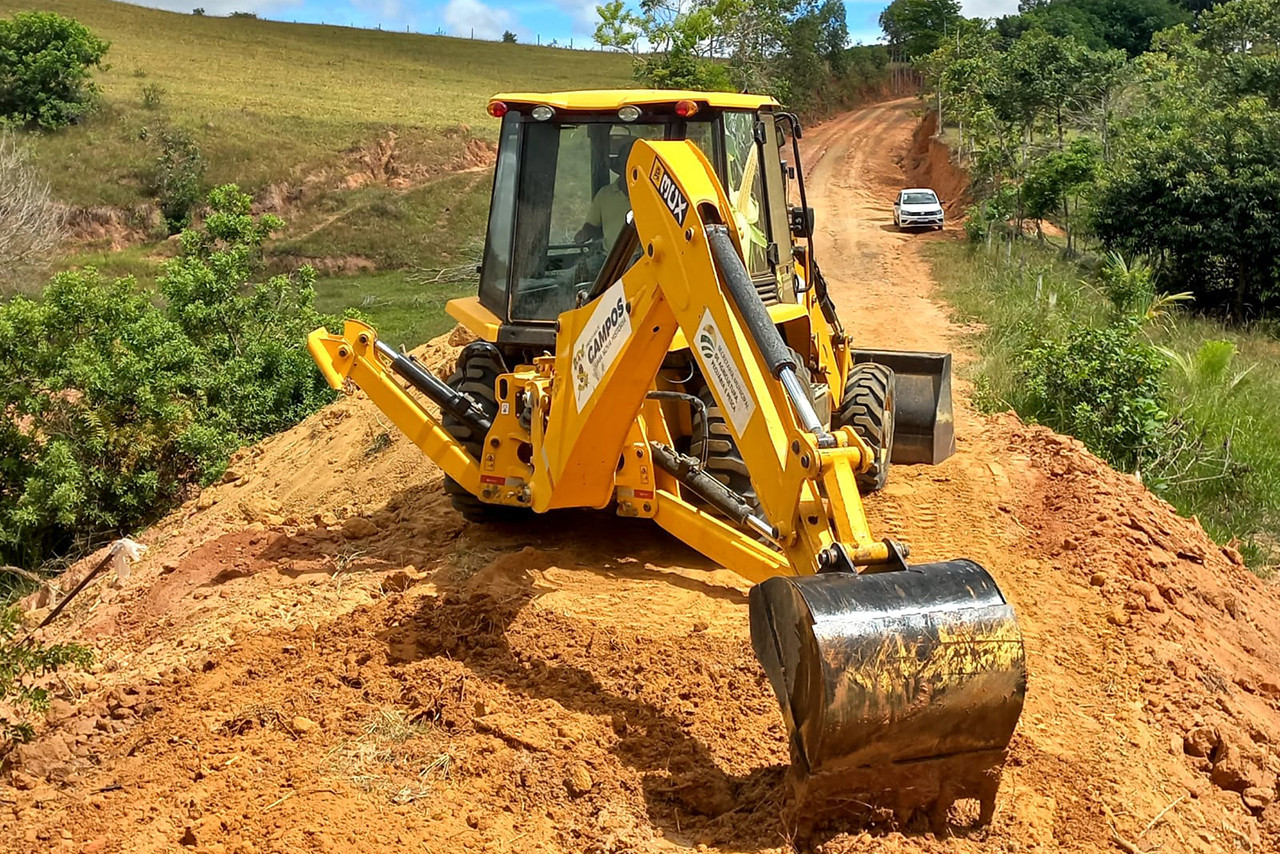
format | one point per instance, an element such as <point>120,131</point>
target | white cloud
<point>988,8</point>
<point>582,15</point>
<point>468,17</point>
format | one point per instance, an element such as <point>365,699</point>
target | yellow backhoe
<point>655,337</point>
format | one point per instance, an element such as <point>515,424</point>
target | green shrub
<point>256,375</point>
<point>99,416</point>
<point>1102,386</point>
<point>153,96</point>
<point>19,663</point>
<point>114,406</point>
<point>176,177</point>
<point>45,66</point>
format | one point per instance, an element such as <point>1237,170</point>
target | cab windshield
<point>572,205</point>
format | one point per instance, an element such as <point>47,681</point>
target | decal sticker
<point>726,380</point>
<point>669,191</point>
<point>600,342</point>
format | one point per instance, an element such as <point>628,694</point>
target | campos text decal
<point>601,341</point>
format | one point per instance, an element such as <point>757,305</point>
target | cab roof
<point>601,100</point>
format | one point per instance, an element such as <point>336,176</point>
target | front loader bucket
<point>924,423</point>
<point>900,689</point>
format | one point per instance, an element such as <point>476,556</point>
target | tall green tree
<point>916,27</point>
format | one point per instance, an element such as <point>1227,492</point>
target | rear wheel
<point>724,461</point>
<point>713,442</point>
<point>477,373</point>
<point>867,407</point>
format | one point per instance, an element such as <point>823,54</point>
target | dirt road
<point>319,655</point>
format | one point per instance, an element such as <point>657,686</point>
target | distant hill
<point>267,101</point>
<point>373,146</point>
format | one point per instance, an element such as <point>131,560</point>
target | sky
<point>531,20</point>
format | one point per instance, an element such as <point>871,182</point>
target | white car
<point>918,208</point>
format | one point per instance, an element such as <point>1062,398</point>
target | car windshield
<point>923,197</point>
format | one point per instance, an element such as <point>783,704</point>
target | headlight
<point>542,112</point>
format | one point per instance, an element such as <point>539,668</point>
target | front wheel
<point>868,407</point>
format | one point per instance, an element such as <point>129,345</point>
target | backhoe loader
<point>655,337</point>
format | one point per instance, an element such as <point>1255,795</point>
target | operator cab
<point>560,202</point>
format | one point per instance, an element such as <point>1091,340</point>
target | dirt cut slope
<point>320,655</point>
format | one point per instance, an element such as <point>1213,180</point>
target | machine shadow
<point>686,790</point>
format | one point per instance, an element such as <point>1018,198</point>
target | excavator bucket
<point>924,422</point>
<point>900,689</point>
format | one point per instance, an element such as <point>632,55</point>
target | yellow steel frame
<point>584,451</point>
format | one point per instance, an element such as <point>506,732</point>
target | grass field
<point>1024,296</point>
<point>271,101</point>
<point>289,105</point>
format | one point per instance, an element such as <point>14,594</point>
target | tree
<point>1241,44</point>
<point>509,37</point>
<point>916,27</point>
<point>1099,24</point>
<point>1196,183</point>
<point>46,63</point>
<point>672,45</point>
<point>1055,183</point>
<point>30,220</point>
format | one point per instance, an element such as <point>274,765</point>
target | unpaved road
<point>319,655</point>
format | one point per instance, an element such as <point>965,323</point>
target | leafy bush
<point>45,66</point>
<point>1129,284</point>
<point>114,407</point>
<point>176,177</point>
<point>18,664</point>
<point>1102,386</point>
<point>97,432</point>
<point>256,374</point>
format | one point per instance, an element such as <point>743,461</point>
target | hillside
<point>267,101</point>
<point>373,146</point>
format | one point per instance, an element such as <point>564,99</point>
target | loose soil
<point>320,655</point>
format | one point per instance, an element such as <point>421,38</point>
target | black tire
<point>867,407</point>
<point>714,443</point>
<point>477,372</point>
<point>724,461</point>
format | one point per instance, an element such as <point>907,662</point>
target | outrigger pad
<point>899,688</point>
<point>924,420</point>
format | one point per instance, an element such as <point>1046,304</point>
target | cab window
<point>572,204</point>
<point>745,187</point>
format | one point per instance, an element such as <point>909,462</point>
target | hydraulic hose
<point>687,470</point>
